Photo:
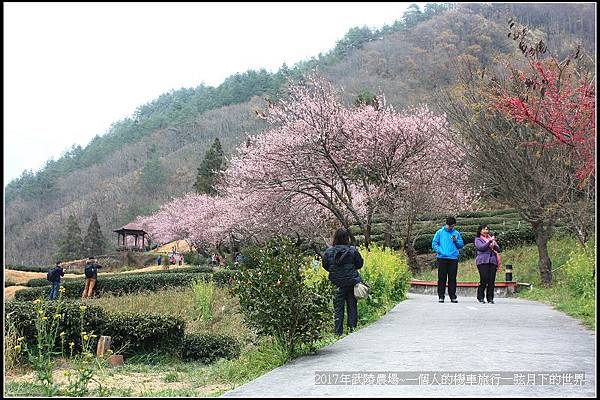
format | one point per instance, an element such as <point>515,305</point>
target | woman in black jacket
<point>343,261</point>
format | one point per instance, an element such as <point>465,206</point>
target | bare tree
<point>513,164</point>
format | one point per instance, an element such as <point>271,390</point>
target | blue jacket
<point>443,245</point>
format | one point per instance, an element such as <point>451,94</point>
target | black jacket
<point>94,270</point>
<point>57,272</point>
<point>342,263</point>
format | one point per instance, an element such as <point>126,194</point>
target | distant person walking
<point>54,276</point>
<point>91,275</point>
<point>488,262</point>
<point>158,260</point>
<point>446,243</point>
<point>343,261</point>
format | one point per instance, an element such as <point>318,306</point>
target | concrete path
<point>485,345</point>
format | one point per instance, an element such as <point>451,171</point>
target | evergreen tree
<point>210,166</point>
<point>94,242</point>
<point>70,246</point>
<point>153,176</point>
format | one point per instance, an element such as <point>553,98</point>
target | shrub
<point>209,347</point>
<point>225,277</point>
<point>136,332</point>
<point>196,269</point>
<point>29,268</point>
<point>489,213</point>
<point>275,300</point>
<point>506,239</point>
<point>250,256</point>
<point>388,277</point>
<point>193,258</point>
<point>579,272</point>
<point>143,332</point>
<point>23,315</point>
<point>469,251</point>
<point>129,283</point>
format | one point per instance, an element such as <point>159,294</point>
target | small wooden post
<point>103,345</point>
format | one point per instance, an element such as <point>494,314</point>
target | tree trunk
<point>387,236</point>
<point>367,235</point>
<point>412,257</point>
<point>545,264</point>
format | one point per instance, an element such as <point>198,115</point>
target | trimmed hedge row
<point>129,283</point>
<point>506,239</point>
<point>209,347</point>
<point>198,269</point>
<point>28,268</point>
<point>133,333</point>
<point>143,332</point>
<point>23,315</point>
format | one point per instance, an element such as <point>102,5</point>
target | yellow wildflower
<point>62,334</point>
<point>18,348</point>
<point>37,301</point>
<point>57,316</point>
<point>44,318</point>
<point>85,337</point>
<point>83,308</point>
<point>72,344</point>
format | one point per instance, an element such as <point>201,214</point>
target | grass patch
<point>226,318</point>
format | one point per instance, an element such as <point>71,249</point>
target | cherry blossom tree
<point>351,161</point>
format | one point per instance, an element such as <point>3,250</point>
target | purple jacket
<point>485,255</point>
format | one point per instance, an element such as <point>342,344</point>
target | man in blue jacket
<point>446,243</point>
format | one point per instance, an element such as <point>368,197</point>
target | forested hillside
<point>146,160</point>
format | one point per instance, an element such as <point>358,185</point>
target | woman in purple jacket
<point>487,262</point>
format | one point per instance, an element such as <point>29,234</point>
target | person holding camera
<point>488,262</point>
<point>343,261</point>
<point>446,243</point>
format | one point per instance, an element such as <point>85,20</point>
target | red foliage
<point>561,105</point>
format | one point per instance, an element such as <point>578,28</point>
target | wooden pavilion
<point>134,230</point>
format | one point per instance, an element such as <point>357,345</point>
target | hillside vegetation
<point>409,61</point>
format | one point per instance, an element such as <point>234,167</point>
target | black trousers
<point>447,269</point>
<point>487,277</point>
<point>345,296</point>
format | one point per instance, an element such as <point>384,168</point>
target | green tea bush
<point>129,283</point>
<point>38,282</point>
<point>508,213</point>
<point>208,347</point>
<point>469,251</point>
<point>275,300</point>
<point>193,258</point>
<point>23,316</point>
<point>507,239</point>
<point>143,332</point>
<point>224,277</point>
<point>29,268</point>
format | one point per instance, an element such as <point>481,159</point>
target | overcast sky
<point>72,69</point>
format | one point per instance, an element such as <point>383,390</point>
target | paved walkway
<point>421,336</point>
